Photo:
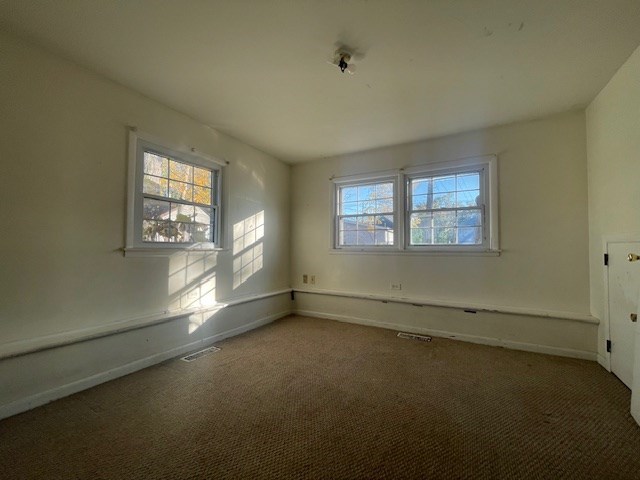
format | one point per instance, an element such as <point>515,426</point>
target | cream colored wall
<point>543,225</point>
<point>63,148</point>
<point>613,152</point>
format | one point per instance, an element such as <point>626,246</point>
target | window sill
<point>437,253</point>
<point>166,252</point>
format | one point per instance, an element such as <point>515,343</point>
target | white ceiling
<point>256,69</point>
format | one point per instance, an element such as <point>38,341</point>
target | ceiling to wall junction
<point>257,69</point>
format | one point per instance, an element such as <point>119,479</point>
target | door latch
<point>633,317</point>
<point>632,257</point>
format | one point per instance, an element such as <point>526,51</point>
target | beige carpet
<point>309,398</point>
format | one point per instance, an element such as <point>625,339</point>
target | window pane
<point>469,218</point>
<point>422,202</point>
<point>202,177</point>
<point>420,187</point>
<point>470,235</point>
<point>349,208</point>
<point>155,186</point>
<point>366,214</point>
<point>347,232</point>
<point>444,219</point>
<point>203,215</point>
<point>468,198</point>
<point>180,191</point>
<point>202,195</point>
<point>366,192</point>
<point>384,190</point>
<point>444,235</point>
<point>348,194</point>
<point>384,206</point>
<point>421,236</point>
<point>366,237</point>
<point>182,213</point>
<point>159,231</point>
<point>155,164</point>
<point>384,230</point>
<point>180,171</point>
<point>444,184</point>
<point>469,181</point>
<point>421,220</point>
<point>444,200</point>
<point>365,223</point>
<point>155,209</point>
<point>201,233</point>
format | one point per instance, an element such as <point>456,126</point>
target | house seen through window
<point>366,214</point>
<point>178,202</point>
<point>173,198</point>
<point>444,207</point>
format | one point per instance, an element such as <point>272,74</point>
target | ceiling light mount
<point>341,59</point>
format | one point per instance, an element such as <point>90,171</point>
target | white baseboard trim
<point>529,312</point>
<point>32,345</point>
<point>604,363</point>
<point>495,342</point>
<point>45,397</point>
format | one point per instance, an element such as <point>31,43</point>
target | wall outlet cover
<point>395,286</point>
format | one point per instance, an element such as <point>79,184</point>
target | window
<point>446,209</point>
<point>366,213</point>
<point>441,207</point>
<point>174,198</point>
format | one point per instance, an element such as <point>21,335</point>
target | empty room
<point>324,239</point>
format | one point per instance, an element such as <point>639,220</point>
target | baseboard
<point>496,342</point>
<point>604,363</point>
<point>45,397</point>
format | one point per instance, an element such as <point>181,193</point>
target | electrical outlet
<point>395,286</point>
<point>313,279</point>
<point>305,278</point>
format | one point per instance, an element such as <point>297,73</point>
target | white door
<point>624,285</point>
<point>635,389</point>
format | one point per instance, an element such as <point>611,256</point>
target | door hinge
<point>606,259</point>
<point>608,345</point>
<point>293,295</point>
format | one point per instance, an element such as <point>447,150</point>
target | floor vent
<point>195,355</point>
<point>413,336</point>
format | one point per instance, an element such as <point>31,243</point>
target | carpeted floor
<point>310,398</point>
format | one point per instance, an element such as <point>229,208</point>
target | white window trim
<point>490,246</point>
<point>134,245</point>
<point>390,176</point>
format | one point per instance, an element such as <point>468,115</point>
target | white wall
<point>63,151</point>
<point>613,148</point>
<point>543,232</point>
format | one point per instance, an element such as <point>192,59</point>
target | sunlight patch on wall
<point>247,248</point>
<point>192,280</point>
<point>198,319</point>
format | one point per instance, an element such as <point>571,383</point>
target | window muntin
<point>366,214</point>
<point>178,200</point>
<point>173,198</point>
<point>446,209</point>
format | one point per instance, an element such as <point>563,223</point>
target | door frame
<point>605,360</point>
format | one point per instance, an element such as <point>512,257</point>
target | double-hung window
<point>440,207</point>
<point>446,209</point>
<point>366,213</point>
<point>174,198</point>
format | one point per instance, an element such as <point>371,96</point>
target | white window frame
<point>357,180</point>
<point>138,144</point>
<point>487,164</point>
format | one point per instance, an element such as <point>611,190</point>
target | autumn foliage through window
<point>178,201</point>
